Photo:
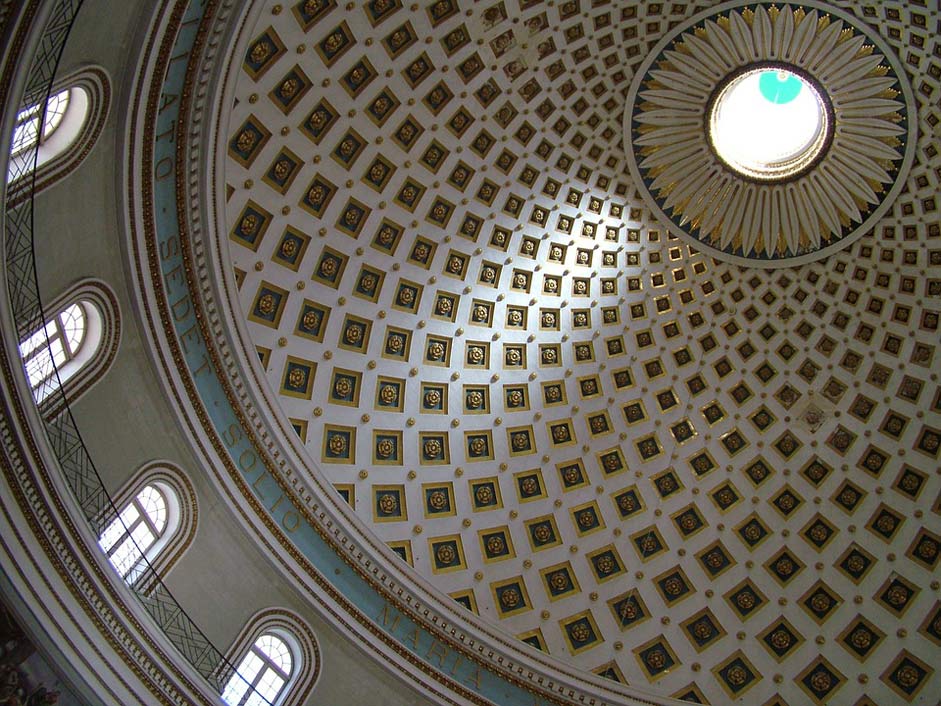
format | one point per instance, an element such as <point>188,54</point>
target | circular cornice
<point>825,204</point>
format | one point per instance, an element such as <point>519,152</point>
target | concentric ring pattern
<point>824,206</point>
<point>635,458</point>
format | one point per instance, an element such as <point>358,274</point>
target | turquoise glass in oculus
<point>779,87</point>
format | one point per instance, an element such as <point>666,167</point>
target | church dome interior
<point>520,352</point>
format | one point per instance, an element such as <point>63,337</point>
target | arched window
<point>264,672</point>
<point>78,342</point>
<point>132,534</point>
<point>64,343</point>
<point>58,133</point>
<point>156,522</point>
<point>277,661</point>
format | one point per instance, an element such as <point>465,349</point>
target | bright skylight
<point>768,124</point>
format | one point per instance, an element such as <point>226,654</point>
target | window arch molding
<point>97,353</point>
<point>301,641</point>
<point>181,521</point>
<point>89,101</point>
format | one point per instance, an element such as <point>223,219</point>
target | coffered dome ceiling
<point>636,458</point>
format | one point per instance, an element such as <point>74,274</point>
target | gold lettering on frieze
<point>181,308</point>
<point>232,434</point>
<point>473,678</point>
<point>247,460</point>
<point>190,335</point>
<point>411,638</point>
<point>169,134</point>
<point>170,247</point>
<point>384,620</point>
<point>185,54</point>
<point>174,275</point>
<point>167,100</point>
<point>163,168</point>
<point>291,521</point>
<point>203,367</point>
<point>437,650</point>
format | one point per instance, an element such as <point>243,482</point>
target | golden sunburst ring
<point>803,204</point>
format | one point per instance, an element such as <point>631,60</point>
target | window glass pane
<point>255,699</point>
<point>116,529</point>
<point>251,665</point>
<point>27,113</point>
<point>25,134</point>
<point>37,339</point>
<point>125,556</point>
<point>133,542</point>
<point>129,515</point>
<point>111,535</point>
<point>240,681</point>
<point>269,686</point>
<point>143,537</point>
<point>276,651</point>
<point>55,111</point>
<point>235,690</point>
<point>39,351</point>
<point>58,352</point>
<point>39,367</point>
<point>73,326</point>
<point>154,506</point>
<point>45,388</point>
<point>133,574</point>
